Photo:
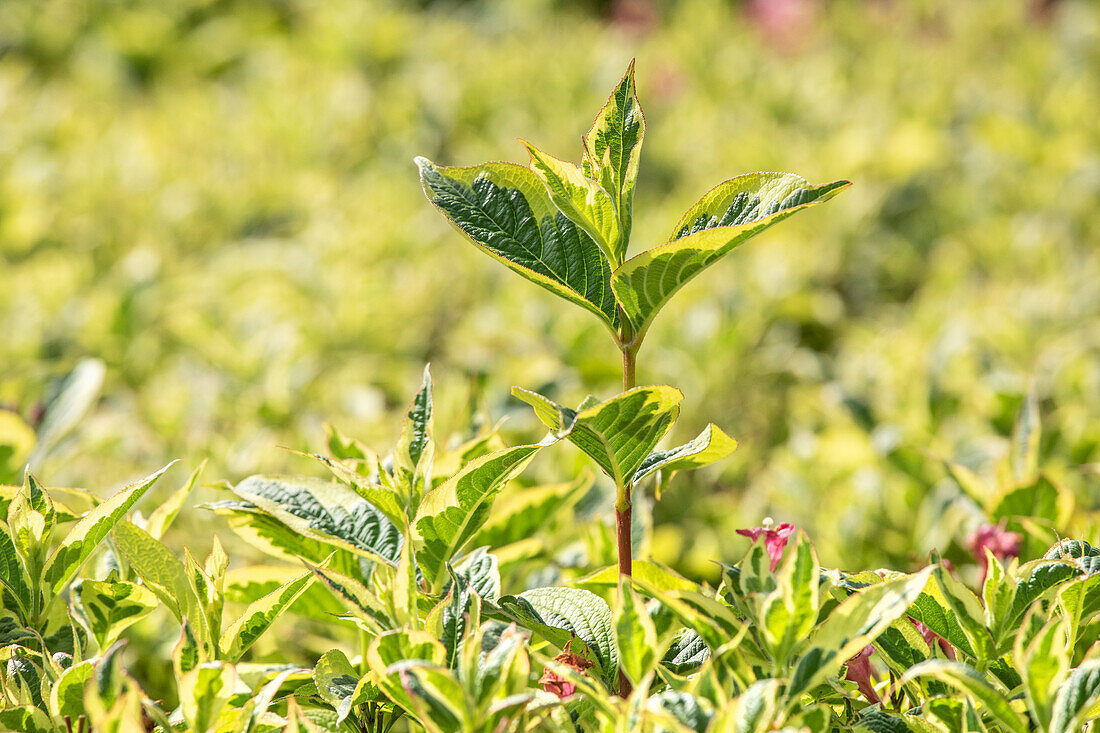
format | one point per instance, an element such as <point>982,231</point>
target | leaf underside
<point>723,219</point>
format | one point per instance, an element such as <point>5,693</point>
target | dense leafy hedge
<point>448,597</point>
<point>378,564</point>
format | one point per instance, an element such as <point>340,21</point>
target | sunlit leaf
<point>1076,698</point>
<point>85,535</point>
<point>325,511</point>
<point>710,446</point>
<point>612,150</point>
<point>635,634</point>
<point>258,617</point>
<point>580,198</point>
<point>1043,661</point>
<point>204,691</point>
<point>788,614</point>
<point>504,209</point>
<point>453,512</point>
<point>336,681</point>
<point>972,683</point>
<point>619,433</point>
<point>112,606</point>
<point>854,624</point>
<point>727,216</point>
<point>165,513</point>
<point>561,614</point>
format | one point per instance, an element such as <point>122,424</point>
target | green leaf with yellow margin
<point>325,511</point>
<point>258,617</point>
<point>581,199</point>
<point>635,634</point>
<point>976,685</point>
<point>1077,698</point>
<point>613,148</point>
<point>112,606</point>
<point>415,450</point>
<point>453,512</point>
<point>710,446</point>
<point>854,624</point>
<point>204,691</point>
<point>729,215</point>
<point>504,209</point>
<point>163,516</point>
<point>85,536</point>
<point>787,614</point>
<point>617,434</point>
<point>67,695</point>
<point>163,573</point>
<point>1043,662</point>
<point>653,574</point>
<point>571,616</point>
<point>336,682</point>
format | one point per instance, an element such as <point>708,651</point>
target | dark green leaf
<point>562,614</point>
<point>687,653</point>
<point>325,511</point>
<point>504,209</point>
<point>1076,697</point>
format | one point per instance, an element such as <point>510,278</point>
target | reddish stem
<point>622,522</point>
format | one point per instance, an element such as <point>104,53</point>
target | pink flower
<point>784,23</point>
<point>634,17</point>
<point>859,671</point>
<point>775,539</point>
<point>931,637</point>
<point>1002,543</point>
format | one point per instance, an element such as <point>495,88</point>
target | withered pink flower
<point>931,637</point>
<point>775,539</point>
<point>1002,543</point>
<point>556,684</point>
<point>859,671</point>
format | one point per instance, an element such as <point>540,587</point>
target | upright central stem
<point>622,522</point>
<point>630,360</point>
<point>623,506</point>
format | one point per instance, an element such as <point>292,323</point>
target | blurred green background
<point>217,199</point>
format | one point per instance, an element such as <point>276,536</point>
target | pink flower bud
<point>931,637</point>
<point>859,671</point>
